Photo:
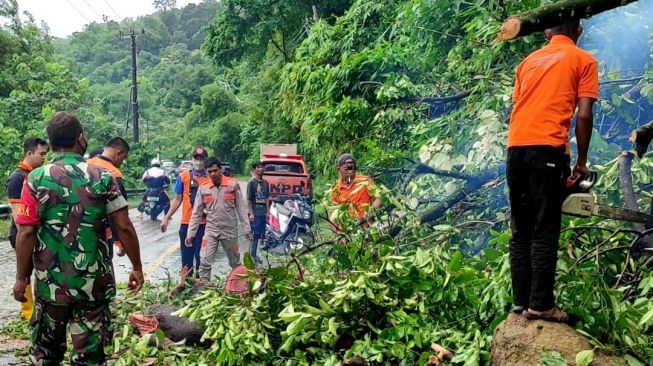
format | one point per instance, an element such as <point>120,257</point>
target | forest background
<point>331,76</point>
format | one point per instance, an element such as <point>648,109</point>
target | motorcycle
<point>156,201</point>
<point>288,224</point>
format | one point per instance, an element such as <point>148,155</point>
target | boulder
<point>518,341</point>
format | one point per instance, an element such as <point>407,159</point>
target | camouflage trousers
<point>90,330</point>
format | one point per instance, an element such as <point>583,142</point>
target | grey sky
<point>67,16</point>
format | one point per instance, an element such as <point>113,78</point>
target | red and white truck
<point>285,170</point>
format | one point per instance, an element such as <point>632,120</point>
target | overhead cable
<point>78,12</point>
<point>113,10</point>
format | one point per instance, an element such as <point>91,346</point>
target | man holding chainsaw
<point>550,84</point>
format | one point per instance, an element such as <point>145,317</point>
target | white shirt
<point>154,172</point>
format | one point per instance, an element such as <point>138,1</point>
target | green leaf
<point>646,318</point>
<point>249,262</point>
<point>585,358</point>
<point>632,361</point>
<point>325,306</point>
<point>256,286</point>
<point>553,358</point>
<point>160,336</point>
<point>456,262</point>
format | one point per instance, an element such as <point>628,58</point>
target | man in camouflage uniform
<point>223,205</point>
<point>65,205</point>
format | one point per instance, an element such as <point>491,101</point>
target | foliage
<point>388,301</point>
<point>33,86</point>
<point>4,229</point>
<point>171,72</point>
<point>16,329</point>
<point>164,4</point>
<point>245,28</point>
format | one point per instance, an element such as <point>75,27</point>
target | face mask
<point>198,164</point>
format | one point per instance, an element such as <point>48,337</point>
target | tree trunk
<point>626,180</point>
<point>551,15</point>
<point>642,138</point>
<point>472,184</point>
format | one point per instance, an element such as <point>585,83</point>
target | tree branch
<point>621,81</point>
<point>471,185</point>
<point>642,138</point>
<point>551,15</point>
<point>626,179</point>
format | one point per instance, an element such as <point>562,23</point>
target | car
<point>227,170</point>
<point>167,165</point>
<point>184,165</point>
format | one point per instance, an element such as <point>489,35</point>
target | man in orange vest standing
<point>186,189</point>
<point>34,150</point>
<point>550,84</point>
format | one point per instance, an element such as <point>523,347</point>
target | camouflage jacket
<point>69,200</point>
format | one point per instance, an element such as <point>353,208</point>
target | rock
<point>177,328</point>
<point>518,341</point>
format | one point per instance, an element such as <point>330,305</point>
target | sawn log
<point>551,15</point>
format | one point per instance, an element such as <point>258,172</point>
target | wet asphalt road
<point>160,256</point>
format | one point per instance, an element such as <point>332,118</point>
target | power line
<point>92,9</point>
<point>113,10</point>
<point>77,10</point>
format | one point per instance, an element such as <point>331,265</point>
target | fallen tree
<point>472,184</point>
<point>551,15</point>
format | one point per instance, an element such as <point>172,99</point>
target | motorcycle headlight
<point>306,215</point>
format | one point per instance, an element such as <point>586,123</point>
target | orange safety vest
<point>191,185</point>
<point>106,164</point>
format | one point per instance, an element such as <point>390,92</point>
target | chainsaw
<point>581,202</point>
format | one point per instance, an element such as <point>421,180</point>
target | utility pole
<point>134,88</point>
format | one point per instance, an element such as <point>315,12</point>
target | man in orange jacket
<point>34,150</point>
<point>353,188</point>
<point>186,189</point>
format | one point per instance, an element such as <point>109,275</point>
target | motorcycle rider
<point>156,180</point>
<point>186,188</point>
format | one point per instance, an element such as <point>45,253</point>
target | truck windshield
<point>284,167</point>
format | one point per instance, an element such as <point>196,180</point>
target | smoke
<point>621,39</point>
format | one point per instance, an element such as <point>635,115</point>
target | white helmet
<point>155,162</point>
